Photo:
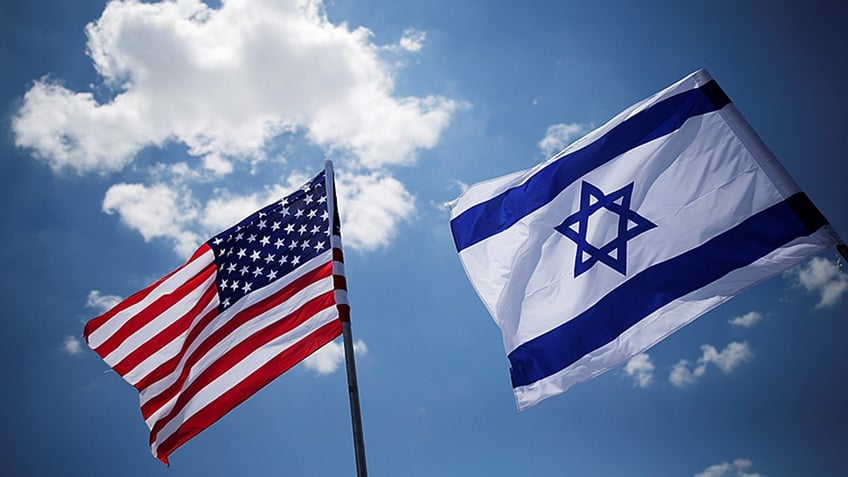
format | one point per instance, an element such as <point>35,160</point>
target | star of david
<point>614,252</point>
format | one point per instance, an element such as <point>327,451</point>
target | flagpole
<point>347,336</point>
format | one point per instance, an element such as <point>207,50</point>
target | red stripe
<point>149,407</point>
<point>338,255</point>
<point>344,313</point>
<point>136,297</point>
<point>339,282</point>
<point>240,351</point>
<point>169,366</point>
<point>156,309</point>
<point>166,335</point>
<point>247,387</point>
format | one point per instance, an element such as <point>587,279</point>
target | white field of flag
<point>671,208</point>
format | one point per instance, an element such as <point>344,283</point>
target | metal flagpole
<point>344,315</point>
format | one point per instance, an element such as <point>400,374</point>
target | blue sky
<point>132,132</point>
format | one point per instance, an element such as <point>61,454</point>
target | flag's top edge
<point>489,188</point>
<point>491,207</point>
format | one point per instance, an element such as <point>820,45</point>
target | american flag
<point>251,302</point>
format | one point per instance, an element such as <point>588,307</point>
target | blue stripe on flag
<point>658,285</point>
<point>502,211</point>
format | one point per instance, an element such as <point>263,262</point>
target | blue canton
<point>613,253</point>
<point>272,242</point>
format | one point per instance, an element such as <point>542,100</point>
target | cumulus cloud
<point>157,211</point>
<point>235,85</point>
<point>558,136</point>
<point>328,359</point>
<point>641,369</point>
<point>100,302</point>
<point>685,373</point>
<point>372,207</point>
<point>72,345</point>
<point>822,277</point>
<point>737,468</point>
<point>747,320</point>
<point>413,40</point>
<point>224,82</point>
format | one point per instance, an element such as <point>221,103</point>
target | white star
<point>308,199</point>
<point>255,255</point>
<point>296,260</point>
<point>319,246</point>
<point>217,241</point>
<point>284,201</point>
<point>279,243</point>
<point>251,239</point>
<point>302,229</point>
<point>265,240</point>
<point>223,284</point>
<point>234,285</point>
<point>226,302</point>
<point>241,253</point>
<point>269,258</point>
<point>315,229</point>
<point>244,270</point>
<point>289,228</point>
<point>275,226</point>
<point>272,275</point>
<point>257,272</point>
<point>284,259</point>
<point>325,215</point>
<point>239,236</point>
<point>299,213</point>
<point>293,244</point>
<point>262,214</point>
<point>311,214</point>
<point>285,211</point>
<point>261,224</point>
<point>322,199</point>
<point>231,268</point>
<point>246,287</point>
<point>304,245</point>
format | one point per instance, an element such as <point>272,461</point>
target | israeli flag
<point>668,210</point>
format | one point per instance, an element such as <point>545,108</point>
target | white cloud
<point>821,276</point>
<point>372,208</point>
<point>328,359</point>
<point>232,84</point>
<point>737,468</point>
<point>747,320</point>
<point>641,369</point>
<point>224,82</point>
<point>100,302</point>
<point>72,345</point>
<point>157,211</point>
<point>413,40</point>
<point>734,354</point>
<point>558,136</point>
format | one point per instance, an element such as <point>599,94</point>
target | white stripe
<point>232,340</point>
<point>668,319</point>
<point>156,325</point>
<point>113,324</point>
<point>235,375</point>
